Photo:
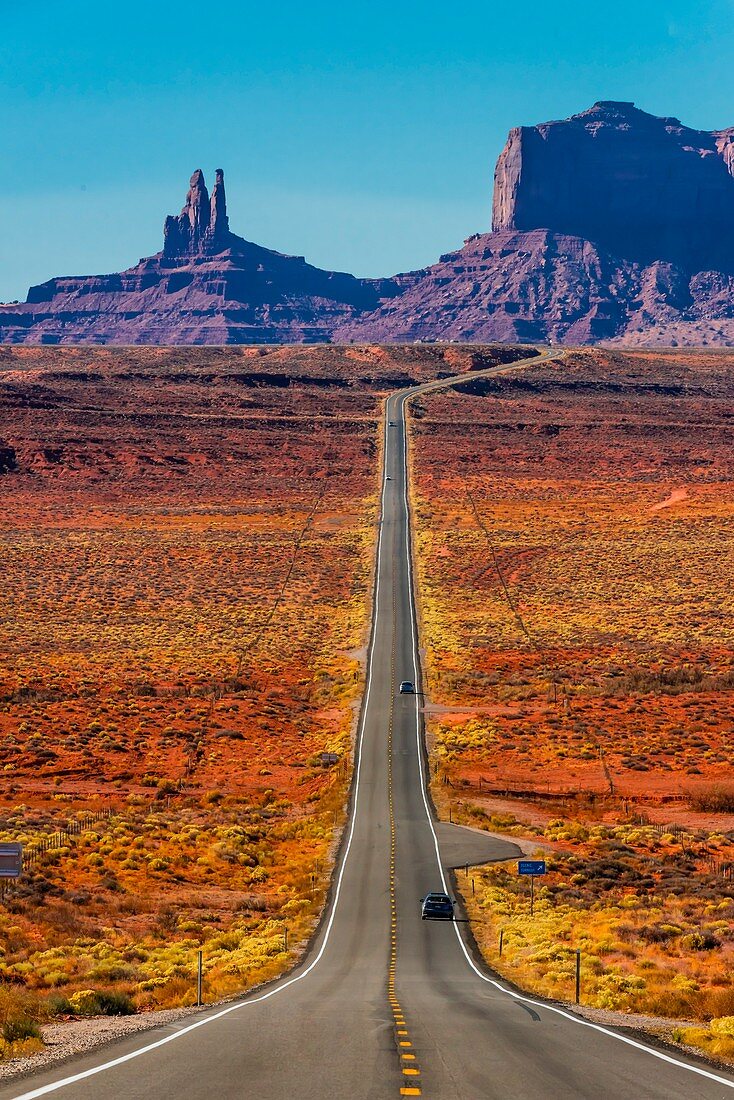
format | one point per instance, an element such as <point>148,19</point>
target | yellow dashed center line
<point>401,1030</point>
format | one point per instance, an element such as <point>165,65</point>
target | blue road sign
<point>531,867</point>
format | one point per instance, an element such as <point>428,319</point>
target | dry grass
<point>187,554</point>
<point>571,528</point>
<point>187,545</point>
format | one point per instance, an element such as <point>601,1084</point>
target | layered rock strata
<point>207,286</point>
<point>612,225</point>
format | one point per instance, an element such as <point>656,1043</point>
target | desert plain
<point>187,541</point>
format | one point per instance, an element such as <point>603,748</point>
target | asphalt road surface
<point>385,1005</point>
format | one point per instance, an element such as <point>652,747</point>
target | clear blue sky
<point>360,135</point>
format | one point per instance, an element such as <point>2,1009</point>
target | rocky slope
<point>613,225</point>
<point>540,286</point>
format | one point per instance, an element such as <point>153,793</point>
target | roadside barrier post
<point>502,936</point>
<point>578,977</point>
<point>199,978</point>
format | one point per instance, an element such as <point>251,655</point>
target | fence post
<point>199,978</point>
<point>502,936</point>
<point>578,977</point>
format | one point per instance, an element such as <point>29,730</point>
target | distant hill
<point>613,225</point>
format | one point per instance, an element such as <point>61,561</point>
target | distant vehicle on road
<point>393,423</point>
<point>406,688</point>
<point>437,907</point>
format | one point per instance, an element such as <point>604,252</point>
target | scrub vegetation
<point>574,522</point>
<point>187,547</point>
<point>187,542</point>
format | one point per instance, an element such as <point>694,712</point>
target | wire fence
<point>61,838</point>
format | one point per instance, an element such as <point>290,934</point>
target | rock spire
<point>218,221</point>
<point>203,225</point>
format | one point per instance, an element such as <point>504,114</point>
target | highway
<point>385,1005</point>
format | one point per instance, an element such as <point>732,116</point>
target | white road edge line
<point>54,1086</point>
<point>491,981</point>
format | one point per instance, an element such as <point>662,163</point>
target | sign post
<point>531,867</point>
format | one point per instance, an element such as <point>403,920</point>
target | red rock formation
<point>185,234</point>
<point>641,187</point>
<point>611,225</point>
<point>203,225</point>
<point>540,286</point>
<point>207,286</point>
<point>218,220</point>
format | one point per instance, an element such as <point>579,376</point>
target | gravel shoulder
<point>656,1030</point>
<point>69,1038</point>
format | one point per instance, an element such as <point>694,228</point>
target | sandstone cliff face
<point>612,225</point>
<point>506,286</point>
<point>642,187</point>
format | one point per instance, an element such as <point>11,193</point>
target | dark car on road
<point>406,688</point>
<point>437,907</point>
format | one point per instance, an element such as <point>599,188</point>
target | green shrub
<point>84,1003</point>
<point>699,941</point>
<point>97,1002</point>
<point>115,1004</point>
<point>58,1005</point>
<point>715,800</point>
<point>20,1027</point>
